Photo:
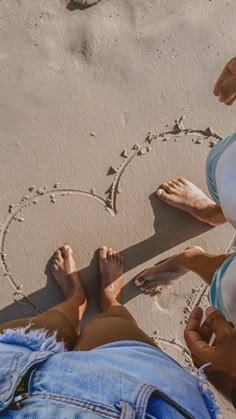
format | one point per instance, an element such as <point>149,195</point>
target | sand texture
<point>89,99</point>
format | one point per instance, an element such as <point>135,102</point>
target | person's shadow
<point>171,227</point>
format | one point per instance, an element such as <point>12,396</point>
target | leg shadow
<point>171,228</point>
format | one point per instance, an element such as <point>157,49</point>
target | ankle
<point>214,215</point>
<point>108,302</point>
<point>189,255</point>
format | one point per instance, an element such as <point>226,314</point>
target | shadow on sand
<point>172,227</point>
<point>73,6</point>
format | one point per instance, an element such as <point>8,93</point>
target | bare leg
<point>65,317</point>
<point>115,323</point>
<point>182,194</point>
<point>203,264</point>
<point>161,276</point>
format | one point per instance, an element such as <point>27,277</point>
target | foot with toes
<point>182,194</point>
<point>65,272</point>
<point>158,278</point>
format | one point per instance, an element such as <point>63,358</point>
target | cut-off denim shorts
<point>119,380</point>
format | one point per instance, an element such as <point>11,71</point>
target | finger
<point>231,101</point>
<point>192,334</point>
<point>228,90</point>
<point>206,332</point>
<point>218,324</point>
<point>225,75</point>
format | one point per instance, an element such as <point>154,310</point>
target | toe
<point>58,257</point>
<point>183,181</point>
<point>167,187</point>
<point>149,287</point>
<point>157,290</point>
<point>171,184</point>
<point>144,289</point>
<point>66,251</point>
<point>103,252</point>
<point>161,194</point>
<point>55,267</point>
<point>110,253</point>
<point>176,182</point>
<point>139,281</point>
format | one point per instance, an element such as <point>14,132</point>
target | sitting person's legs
<point>115,323</point>
<point>214,269</point>
<point>65,317</point>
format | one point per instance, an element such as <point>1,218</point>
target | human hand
<point>222,354</point>
<point>225,87</point>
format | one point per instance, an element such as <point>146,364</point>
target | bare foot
<point>65,272</point>
<point>156,279</point>
<point>182,194</point>
<point>111,273</point>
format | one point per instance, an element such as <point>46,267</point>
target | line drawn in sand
<point>109,202</point>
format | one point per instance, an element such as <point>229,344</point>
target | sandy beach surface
<point>80,89</point>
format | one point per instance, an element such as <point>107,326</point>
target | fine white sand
<point>79,86</point>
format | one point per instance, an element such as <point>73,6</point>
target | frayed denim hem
<point>207,394</point>
<point>35,340</point>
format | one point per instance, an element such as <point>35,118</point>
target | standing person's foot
<point>182,194</point>
<point>111,276</point>
<point>161,276</point>
<point>65,272</point>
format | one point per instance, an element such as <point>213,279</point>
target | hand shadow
<point>171,227</point>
